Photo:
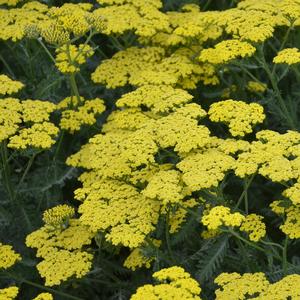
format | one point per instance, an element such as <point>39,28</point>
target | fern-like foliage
<point>210,257</point>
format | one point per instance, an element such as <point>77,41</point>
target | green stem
<point>30,162</point>
<point>284,41</point>
<point>284,255</point>
<point>46,49</point>
<point>116,43</point>
<point>6,172</point>
<point>247,183</point>
<point>22,280</point>
<point>281,101</point>
<point>271,244</point>
<point>167,235</point>
<point>74,87</point>
<point>244,240</point>
<point>58,147</point>
<point>197,216</point>
<point>50,290</point>
<point>10,71</point>
<point>160,253</point>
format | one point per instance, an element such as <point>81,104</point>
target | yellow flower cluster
<point>226,51</point>
<point>137,259</point>
<point>256,87</point>
<point>14,21</point>
<point>35,113</point>
<point>291,226</point>
<point>10,2</point>
<point>235,286</point>
<point>70,57</point>
<point>254,227</point>
<point>60,244</point>
<point>158,99</point>
<point>39,135</point>
<point>76,113</point>
<point>221,215</point>
<point>293,193</point>
<point>9,293</point>
<point>43,296</point>
<point>62,22</point>
<point>286,288</point>
<point>288,56</point>
<point>10,117</point>
<point>177,285</point>
<point>272,156</point>
<point>141,17</point>
<point>8,257</point>
<point>58,215</point>
<point>205,170</point>
<point>151,66</point>
<point>9,86</point>
<point>255,285</point>
<point>239,116</point>
<point>165,186</point>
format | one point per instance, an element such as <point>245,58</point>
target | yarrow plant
<point>149,149</point>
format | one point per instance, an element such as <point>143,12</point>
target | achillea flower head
<point>43,296</point>
<point>235,286</point>
<point>226,51</point>
<point>289,56</point>
<point>58,215</point>
<point>221,216</point>
<point>176,284</point>
<point>254,227</point>
<point>9,293</point>
<point>8,257</point>
<point>238,115</point>
<point>9,86</point>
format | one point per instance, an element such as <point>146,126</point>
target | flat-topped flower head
<point>254,227</point>
<point>8,257</point>
<point>221,216</point>
<point>235,286</point>
<point>58,215</point>
<point>289,56</point>
<point>227,51</point>
<point>238,115</point>
<point>9,293</point>
<point>43,296</point>
<point>175,284</point>
<point>9,86</point>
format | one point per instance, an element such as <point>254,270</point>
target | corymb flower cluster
<point>150,149</point>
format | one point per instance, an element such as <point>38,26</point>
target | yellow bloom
<point>254,226</point>
<point>70,57</point>
<point>226,51</point>
<point>43,296</point>
<point>176,284</point>
<point>60,265</point>
<point>58,215</point>
<point>221,215</point>
<point>9,86</point>
<point>257,87</point>
<point>291,226</point>
<point>286,288</point>
<point>288,56</point>
<point>239,115</point>
<point>39,135</point>
<point>137,259</point>
<point>9,293</point>
<point>78,114</point>
<point>8,257</point>
<point>235,286</point>
<point>37,111</point>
